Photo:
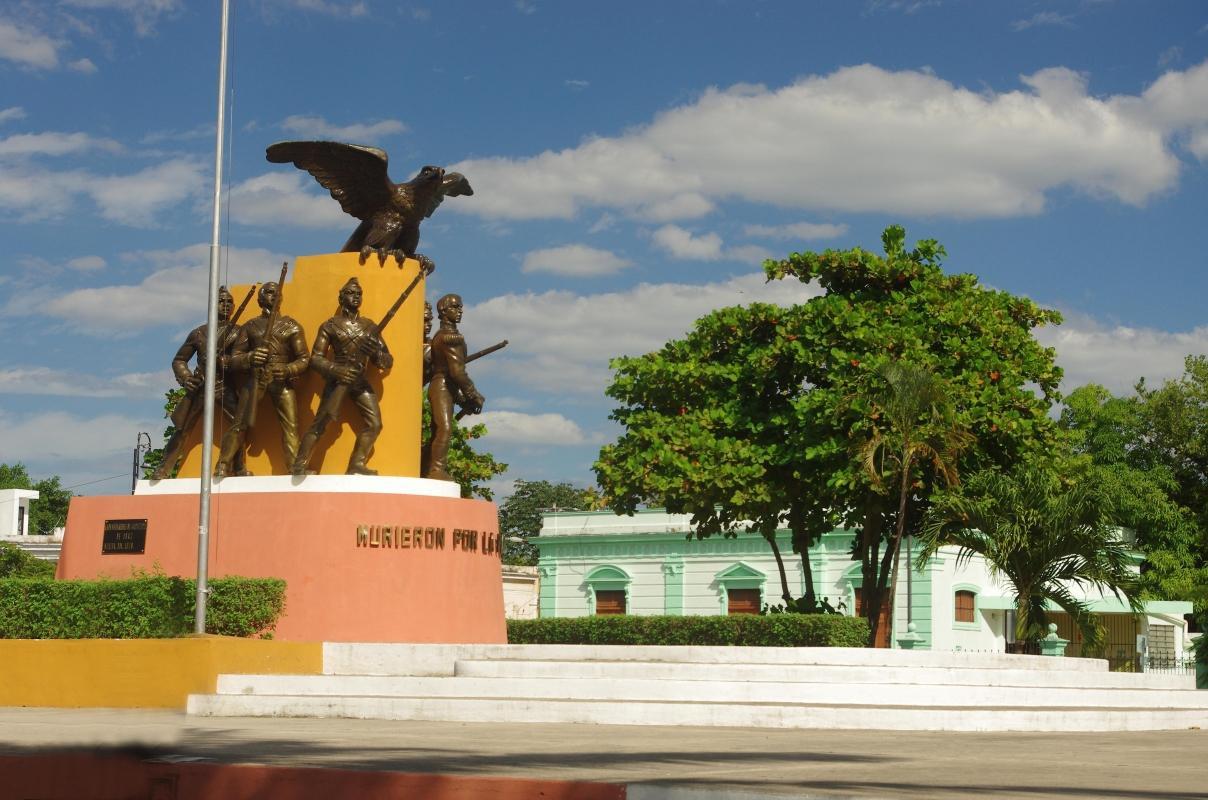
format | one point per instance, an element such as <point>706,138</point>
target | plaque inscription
<point>124,537</point>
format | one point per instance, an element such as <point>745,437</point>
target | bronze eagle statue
<point>390,213</point>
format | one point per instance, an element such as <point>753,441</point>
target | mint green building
<point>601,563</point>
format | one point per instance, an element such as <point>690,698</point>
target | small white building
<point>601,563</point>
<point>14,511</point>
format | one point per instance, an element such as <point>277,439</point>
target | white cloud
<point>353,9</point>
<point>55,435</point>
<point>284,198</point>
<point>11,113</point>
<point>562,341</point>
<point>525,6</point>
<point>46,381</point>
<point>1117,355</point>
<point>87,263</point>
<point>804,231</point>
<point>575,260</point>
<point>144,13</point>
<point>139,198</point>
<point>174,291</point>
<point>319,128</point>
<point>864,139</point>
<point>681,243</point>
<point>84,66</point>
<point>532,429</point>
<point>53,143</point>
<point>575,84</point>
<point>27,47</point>
<point>1043,19</point>
<point>136,199</point>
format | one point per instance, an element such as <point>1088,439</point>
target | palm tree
<point>1043,535</point>
<point>914,430</point>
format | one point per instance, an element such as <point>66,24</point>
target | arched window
<point>607,591</point>
<point>741,588</point>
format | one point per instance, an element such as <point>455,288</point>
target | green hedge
<point>747,630</point>
<point>146,607</point>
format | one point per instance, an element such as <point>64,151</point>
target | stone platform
<point>365,559</point>
<point>822,688</point>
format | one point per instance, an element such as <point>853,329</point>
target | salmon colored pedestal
<point>365,559</point>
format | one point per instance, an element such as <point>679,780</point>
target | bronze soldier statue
<point>190,407</point>
<point>449,384</point>
<point>276,356</point>
<point>427,342</point>
<point>353,340</point>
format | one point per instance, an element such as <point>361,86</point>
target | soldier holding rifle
<point>274,347</point>
<point>449,383</point>
<point>354,340</point>
<point>189,408</point>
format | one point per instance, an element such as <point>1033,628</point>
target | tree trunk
<point>870,541</point>
<point>894,549</point>
<point>784,580</point>
<point>811,596</point>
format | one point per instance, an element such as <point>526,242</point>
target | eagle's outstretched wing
<point>355,175</point>
<point>454,184</point>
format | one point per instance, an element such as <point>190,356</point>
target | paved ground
<point>660,762</point>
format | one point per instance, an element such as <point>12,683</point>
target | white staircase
<point>717,686</point>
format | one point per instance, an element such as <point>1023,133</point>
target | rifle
<point>246,299</point>
<point>486,351</point>
<point>261,379</point>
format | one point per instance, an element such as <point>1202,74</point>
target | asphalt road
<point>657,762</point>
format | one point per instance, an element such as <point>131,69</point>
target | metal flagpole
<point>207,429</point>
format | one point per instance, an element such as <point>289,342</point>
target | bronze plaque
<point>124,536</point>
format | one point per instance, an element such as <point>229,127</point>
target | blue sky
<point>632,163</point>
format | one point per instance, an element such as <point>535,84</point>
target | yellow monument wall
<point>312,288</point>
<point>140,673</point>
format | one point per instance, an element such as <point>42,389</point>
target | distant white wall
<point>14,511</point>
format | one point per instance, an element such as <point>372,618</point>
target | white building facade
<point>14,511</point>
<point>599,563</point>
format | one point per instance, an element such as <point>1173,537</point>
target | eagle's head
<point>429,175</point>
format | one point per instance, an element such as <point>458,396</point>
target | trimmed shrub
<point>745,630</point>
<point>16,563</point>
<point>145,607</point>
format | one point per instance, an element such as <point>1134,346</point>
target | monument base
<point>362,561</point>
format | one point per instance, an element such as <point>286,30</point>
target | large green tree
<point>762,413</point>
<point>49,511</point>
<point>1045,535</point>
<point>520,514</point>
<point>1133,451</point>
<point>712,430</point>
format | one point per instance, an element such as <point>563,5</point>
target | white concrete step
<point>822,673</point>
<point>438,659</point>
<point>702,713</point>
<point>727,691</point>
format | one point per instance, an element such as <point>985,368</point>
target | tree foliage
<point>155,456</point>
<point>1043,534</point>
<point>520,514</point>
<point>16,563</point>
<point>470,468</point>
<point>761,413</point>
<point>1132,448</point>
<point>49,511</point>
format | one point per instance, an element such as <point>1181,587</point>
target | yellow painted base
<point>139,673</point>
<point>312,296</point>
